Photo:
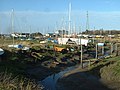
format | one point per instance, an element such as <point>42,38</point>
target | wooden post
<point>81,61</point>
<point>102,50</point>
<point>116,50</point>
<point>89,63</point>
<point>81,57</point>
<point>96,51</point>
<point>111,48</point>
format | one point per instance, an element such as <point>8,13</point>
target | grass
<point>8,82</point>
<point>112,71</point>
<point>15,77</point>
<point>113,59</point>
<point>108,69</point>
<point>9,41</point>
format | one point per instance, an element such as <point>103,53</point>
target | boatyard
<point>59,45</point>
<point>41,60</point>
<point>50,59</point>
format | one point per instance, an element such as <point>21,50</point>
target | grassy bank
<point>108,69</point>
<point>102,75</point>
<point>10,82</point>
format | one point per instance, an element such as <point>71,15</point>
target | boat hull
<point>1,51</point>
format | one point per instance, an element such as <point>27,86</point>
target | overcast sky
<point>48,15</point>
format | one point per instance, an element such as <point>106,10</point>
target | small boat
<point>25,48</point>
<point>1,51</point>
<point>19,46</point>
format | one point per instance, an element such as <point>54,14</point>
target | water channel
<point>49,83</point>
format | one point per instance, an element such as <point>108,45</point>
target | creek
<point>49,83</point>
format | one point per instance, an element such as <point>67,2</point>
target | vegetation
<point>108,69</point>
<point>16,62</point>
<point>112,71</point>
<point>102,32</point>
<point>13,75</point>
<point>8,82</point>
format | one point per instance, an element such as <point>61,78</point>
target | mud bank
<point>80,81</point>
<point>90,79</point>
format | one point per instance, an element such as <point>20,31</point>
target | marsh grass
<point>8,82</point>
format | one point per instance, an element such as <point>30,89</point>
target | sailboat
<point>69,39</point>
<point>1,51</point>
<point>17,46</point>
<point>12,27</point>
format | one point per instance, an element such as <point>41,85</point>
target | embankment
<point>104,75</point>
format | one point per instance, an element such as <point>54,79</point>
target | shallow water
<point>49,83</point>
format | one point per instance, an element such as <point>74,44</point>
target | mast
<point>0,30</point>
<point>80,48</point>
<point>30,32</point>
<point>74,30</point>
<point>93,35</point>
<point>87,22</point>
<point>81,55</point>
<point>69,28</point>
<point>12,26</point>
<point>62,25</point>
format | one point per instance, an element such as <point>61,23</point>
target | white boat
<point>78,41</point>
<point>19,46</point>
<point>1,51</point>
<point>26,48</point>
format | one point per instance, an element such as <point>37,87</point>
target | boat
<point>1,51</point>
<point>18,46</point>
<point>26,48</point>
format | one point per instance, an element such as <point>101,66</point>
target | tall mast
<point>81,55</point>
<point>69,18</point>
<point>87,22</point>
<point>30,32</point>
<point>0,29</point>
<point>74,33</point>
<point>93,35</point>
<point>62,25</point>
<point>12,26</point>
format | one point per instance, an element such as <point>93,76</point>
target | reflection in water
<point>50,82</point>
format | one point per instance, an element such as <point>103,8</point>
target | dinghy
<point>1,51</point>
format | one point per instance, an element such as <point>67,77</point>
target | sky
<point>47,16</point>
